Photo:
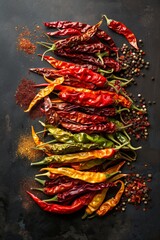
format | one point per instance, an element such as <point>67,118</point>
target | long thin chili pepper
<point>82,74</point>
<point>64,32</point>
<point>73,40</point>
<point>120,28</point>
<point>45,92</point>
<point>77,190</point>
<point>90,177</point>
<point>112,202</point>
<point>63,209</point>
<point>78,157</point>
<point>90,98</point>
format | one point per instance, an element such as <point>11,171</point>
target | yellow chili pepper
<point>91,177</point>
<point>95,203</point>
<point>112,202</point>
<point>45,92</point>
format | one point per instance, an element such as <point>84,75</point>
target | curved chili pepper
<point>63,209</point>
<point>112,202</point>
<point>45,92</point>
<point>90,177</point>
<point>77,190</point>
<point>58,180</point>
<point>120,28</point>
<point>78,157</point>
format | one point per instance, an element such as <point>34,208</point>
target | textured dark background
<point>17,221</point>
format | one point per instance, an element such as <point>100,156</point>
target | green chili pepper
<point>64,148</point>
<point>122,138</point>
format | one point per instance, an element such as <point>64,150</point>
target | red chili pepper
<point>120,28</point>
<point>82,74</point>
<point>96,128</point>
<point>90,98</point>
<point>63,209</point>
<point>65,32</point>
<point>80,117</point>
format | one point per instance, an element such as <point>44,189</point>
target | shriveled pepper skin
<point>63,209</point>
<point>112,202</point>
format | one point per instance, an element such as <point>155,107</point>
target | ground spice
<point>24,42</point>
<point>26,149</point>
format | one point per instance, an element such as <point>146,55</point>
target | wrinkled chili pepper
<point>82,74</point>
<point>90,177</point>
<point>56,189</point>
<point>82,26</point>
<point>77,190</point>
<point>78,157</point>
<point>87,165</point>
<point>60,179</point>
<point>64,32</point>
<point>63,209</point>
<point>80,117</point>
<point>73,40</point>
<point>120,28</point>
<point>108,127</point>
<point>45,92</point>
<point>112,202</point>
<point>90,98</point>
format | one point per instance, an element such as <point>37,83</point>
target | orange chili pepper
<point>112,202</point>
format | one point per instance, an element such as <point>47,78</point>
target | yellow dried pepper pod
<point>45,92</point>
<point>112,202</point>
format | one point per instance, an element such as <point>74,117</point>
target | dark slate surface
<point>17,222</point>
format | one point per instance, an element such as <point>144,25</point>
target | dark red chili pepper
<point>79,189</point>
<point>90,98</point>
<point>63,209</point>
<point>96,128</point>
<point>91,48</point>
<point>80,117</point>
<point>82,74</point>
<point>64,32</point>
<point>73,40</point>
<point>82,27</point>
<point>120,28</point>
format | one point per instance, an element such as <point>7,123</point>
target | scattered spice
<point>26,149</point>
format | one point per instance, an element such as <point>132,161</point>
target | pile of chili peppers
<point>84,103</point>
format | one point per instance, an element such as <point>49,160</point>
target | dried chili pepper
<point>90,98</point>
<point>57,188</point>
<point>44,92</point>
<point>64,32</point>
<point>63,209</point>
<point>73,40</point>
<point>77,190</point>
<point>120,28</point>
<point>87,165</point>
<point>90,177</point>
<point>112,202</point>
<point>78,157</point>
<point>108,127</point>
<point>82,74</point>
<point>80,117</point>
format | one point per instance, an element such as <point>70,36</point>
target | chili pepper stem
<point>84,216</point>
<point>43,174</point>
<point>54,199</point>
<point>122,109</point>
<point>121,146</point>
<point>38,189</point>
<point>40,145</point>
<point>101,55</point>
<point>119,78</point>
<point>105,71</point>
<point>107,19</point>
<point>52,48</point>
<point>40,181</point>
